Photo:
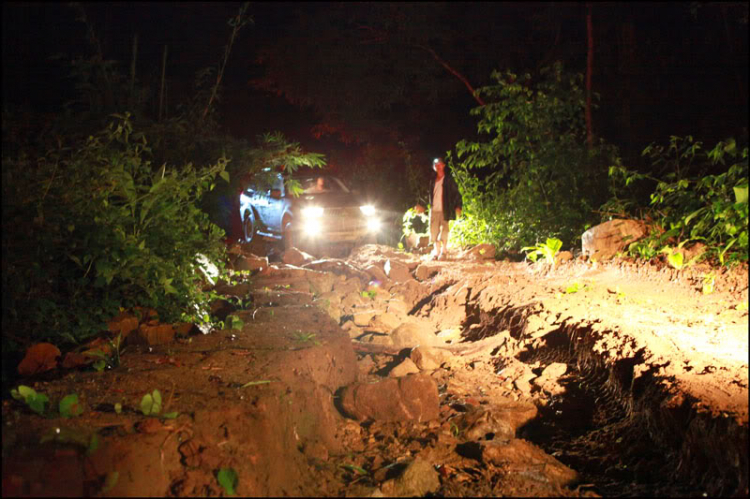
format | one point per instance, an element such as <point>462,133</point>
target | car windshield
<point>320,184</point>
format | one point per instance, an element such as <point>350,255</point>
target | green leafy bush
<point>91,227</point>
<point>687,203</point>
<point>532,175</point>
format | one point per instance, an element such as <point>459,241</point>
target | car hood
<point>331,200</point>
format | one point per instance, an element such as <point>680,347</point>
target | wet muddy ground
<point>385,374</point>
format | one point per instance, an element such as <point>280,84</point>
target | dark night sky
<point>689,74</point>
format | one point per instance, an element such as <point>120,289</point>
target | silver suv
<point>323,213</point>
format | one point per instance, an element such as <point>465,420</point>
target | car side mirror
<point>276,193</point>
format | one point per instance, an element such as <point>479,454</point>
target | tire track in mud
<point>621,423</point>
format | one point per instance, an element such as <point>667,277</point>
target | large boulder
<point>409,398</point>
<point>605,240</point>
<point>521,454</point>
<point>293,256</point>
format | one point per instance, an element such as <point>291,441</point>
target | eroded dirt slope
<point>386,374</point>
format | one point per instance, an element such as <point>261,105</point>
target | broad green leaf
<point>228,479</point>
<point>675,260</point>
<point>740,193</point>
<point>151,403</point>
<point>69,406</point>
<point>224,175</point>
<point>554,244</point>
<point>147,403</point>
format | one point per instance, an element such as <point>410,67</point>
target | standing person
<point>446,205</point>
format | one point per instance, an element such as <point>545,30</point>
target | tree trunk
<point>589,70</point>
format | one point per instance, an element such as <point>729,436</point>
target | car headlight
<point>368,210</point>
<point>313,212</point>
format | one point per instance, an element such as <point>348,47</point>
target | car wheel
<point>249,227</point>
<point>287,236</point>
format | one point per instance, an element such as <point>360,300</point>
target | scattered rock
<point>160,334</point>
<point>296,257</point>
<point>480,252</point>
<point>410,398</point>
<point>413,334</point>
<point>418,479</point>
<point>406,367</point>
<point>547,382</point>
<point>350,286</point>
<point>410,292</point>
<point>498,422</point>
<point>124,324</point>
<point>397,271</point>
<point>376,273</point>
<point>537,327</point>
<point>426,271</point>
<point>414,240</point>
<point>525,455</point>
<point>428,358</point>
<point>39,358</point>
<point>563,256</point>
<point>383,323</point>
<point>605,240</point>
<point>366,365</point>
<point>74,359</point>
<point>362,319</point>
<point>250,262</point>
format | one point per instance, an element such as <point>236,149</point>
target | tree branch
<point>454,73</point>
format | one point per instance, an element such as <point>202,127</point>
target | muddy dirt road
<point>388,375</point>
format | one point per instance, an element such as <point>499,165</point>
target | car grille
<point>344,219</point>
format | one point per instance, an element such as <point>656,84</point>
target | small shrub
<point>547,249</point>
<point>93,226</point>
